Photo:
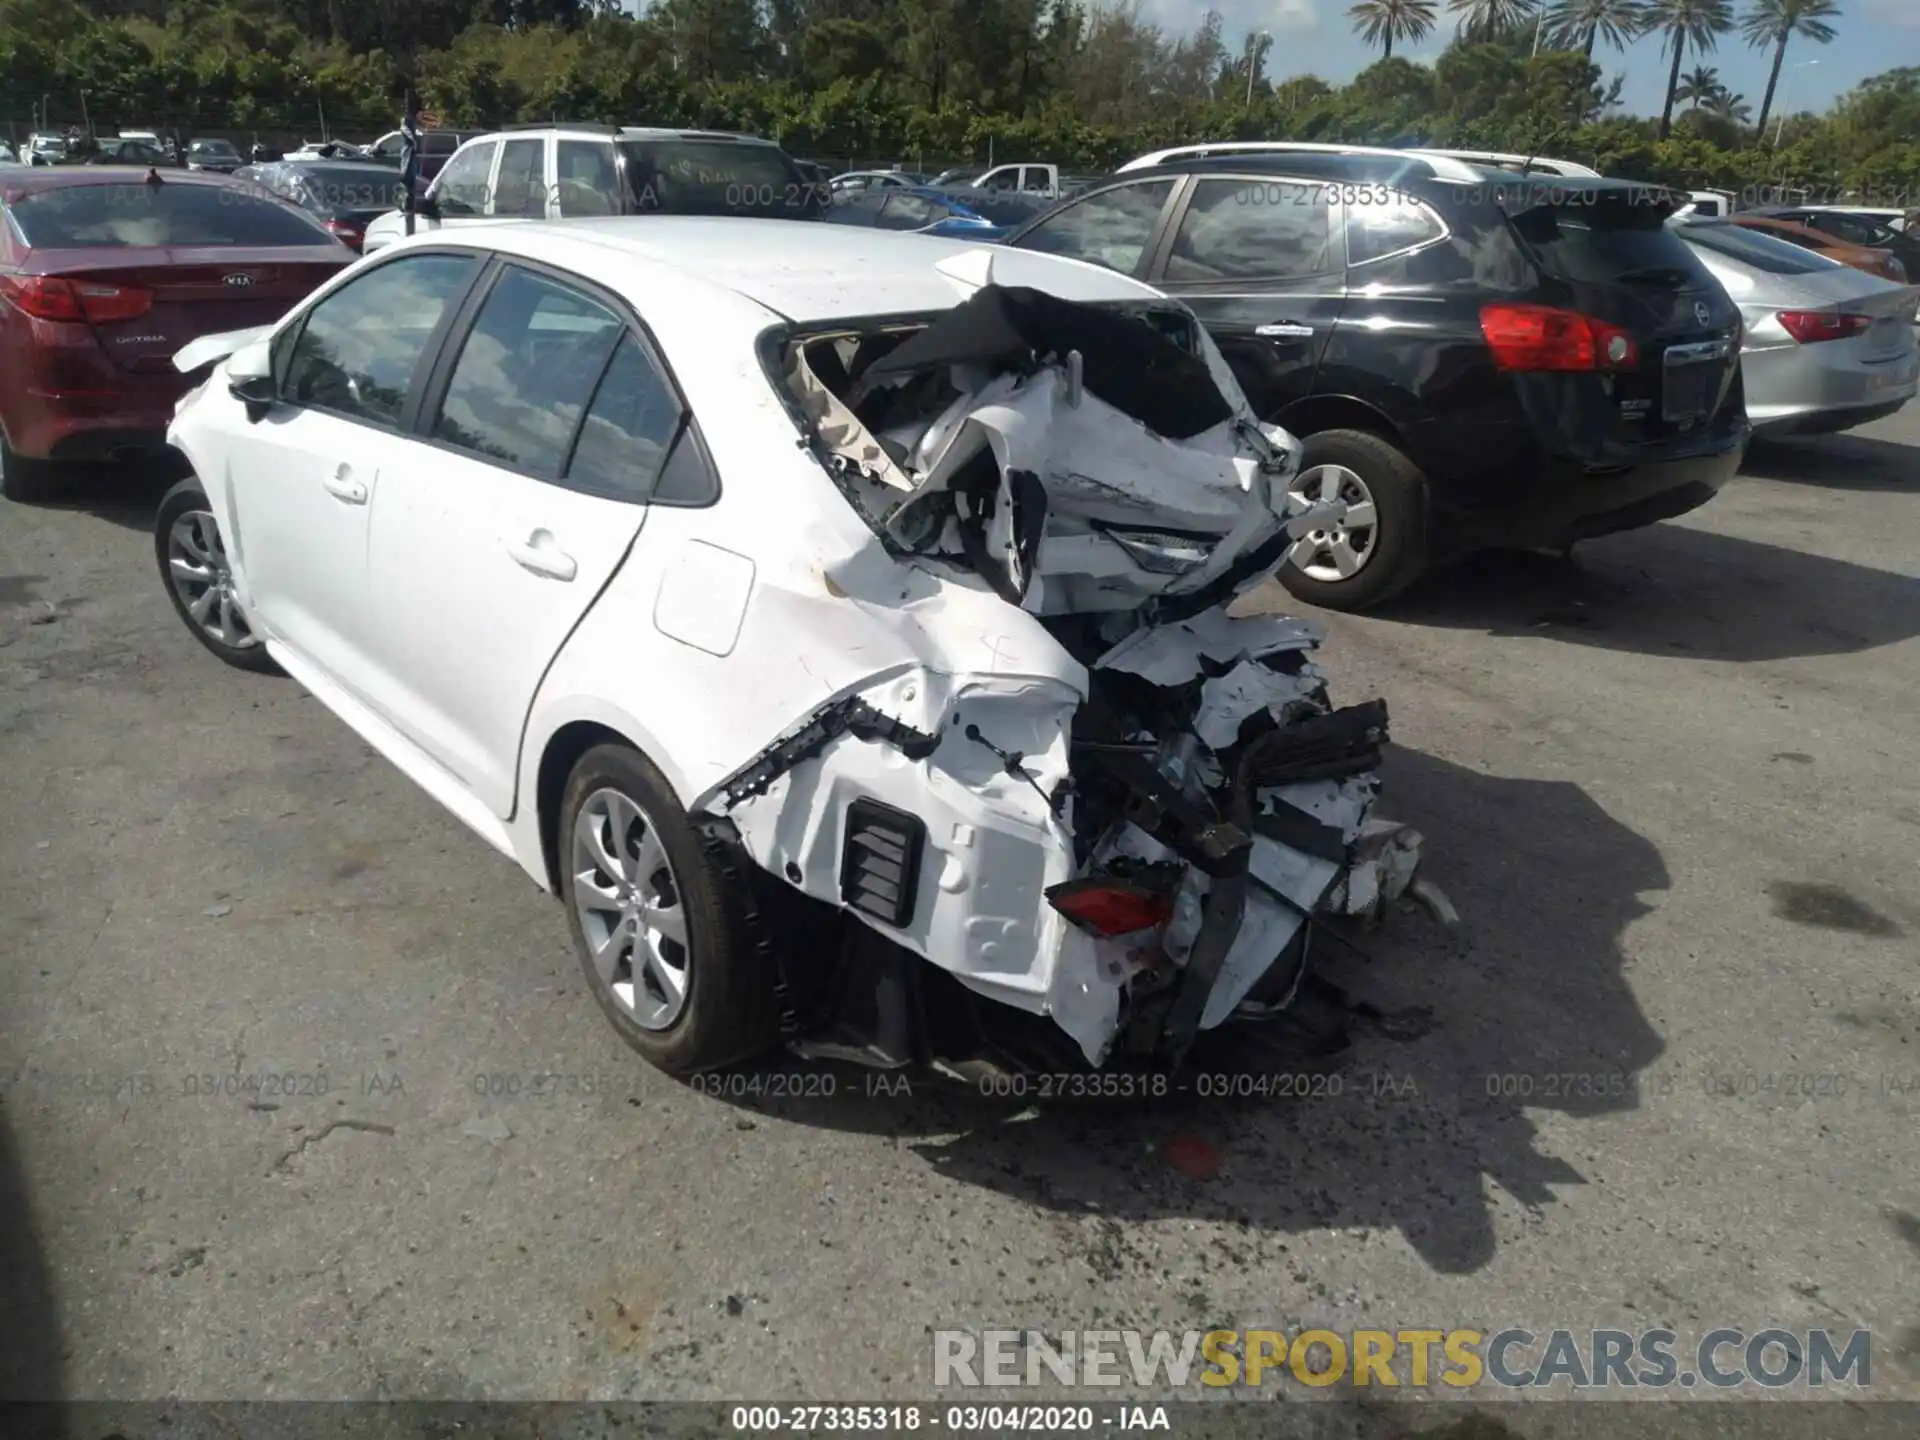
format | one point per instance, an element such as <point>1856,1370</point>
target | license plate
<point>1690,391</point>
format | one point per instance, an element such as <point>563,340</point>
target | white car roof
<point>676,267</point>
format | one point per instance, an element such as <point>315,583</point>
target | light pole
<point>1780,121</point>
<point>1261,39</point>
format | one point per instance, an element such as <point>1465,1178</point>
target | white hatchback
<point>835,621</point>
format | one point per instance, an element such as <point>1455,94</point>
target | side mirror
<point>428,206</point>
<point>256,393</point>
<point>250,379</point>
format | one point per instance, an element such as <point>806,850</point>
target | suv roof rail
<point>1547,164</point>
<point>1443,167</point>
<point>592,127</point>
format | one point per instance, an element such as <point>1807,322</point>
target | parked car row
<point>1475,349</point>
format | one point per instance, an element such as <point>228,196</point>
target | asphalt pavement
<point>304,1096</point>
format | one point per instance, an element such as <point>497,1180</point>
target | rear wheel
<point>1381,546</point>
<point>24,481</point>
<point>662,941</point>
<point>199,578</point>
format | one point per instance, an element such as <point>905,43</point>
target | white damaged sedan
<point>835,621</point>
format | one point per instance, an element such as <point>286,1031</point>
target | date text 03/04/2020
<point>954,1419</point>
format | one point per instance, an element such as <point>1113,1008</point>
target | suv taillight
<point>1540,337</point>
<point>1810,327</point>
<point>48,297</point>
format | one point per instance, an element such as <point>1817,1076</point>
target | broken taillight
<point>1110,907</point>
<point>1539,337</point>
<point>1810,327</point>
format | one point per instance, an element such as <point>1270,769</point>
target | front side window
<point>1253,230</point>
<point>521,188</point>
<point>1007,179</point>
<point>1111,228</point>
<point>629,428</point>
<point>587,182</point>
<point>526,372</point>
<point>360,346</point>
<point>461,188</point>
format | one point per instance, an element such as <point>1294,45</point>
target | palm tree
<point>1381,22</point>
<point>1699,86</point>
<point>1774,22</point>
<point>1581,22</point>
<point>1488,18</point>
<point>1699,23</point>
<point>1729,105</point>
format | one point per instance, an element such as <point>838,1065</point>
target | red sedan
<point>104,275</point>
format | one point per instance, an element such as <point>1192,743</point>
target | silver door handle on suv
<point>1286,330</point>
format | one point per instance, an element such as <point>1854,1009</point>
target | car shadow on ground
<point>1836,462</point>
<point>1456,1034</point>
<point>126,494</point>
<point>1672,589</point>
<point>32,1365</point>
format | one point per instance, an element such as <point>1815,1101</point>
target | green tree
<point>1699,23</point>
<point>1381,22</point>
<point>1700,86</point>
<point>1775,22</point>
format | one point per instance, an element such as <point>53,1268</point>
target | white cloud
<point>1183,17</point>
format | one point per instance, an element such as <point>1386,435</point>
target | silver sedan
<point>1827,347</point>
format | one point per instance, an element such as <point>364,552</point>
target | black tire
<point>183,498</point>
<point>1398,551</point>
<point>730,1013</point>
<point>28,482</point>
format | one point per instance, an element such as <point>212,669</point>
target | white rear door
<point>523,497</point>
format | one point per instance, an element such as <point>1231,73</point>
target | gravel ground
<point>1673,786</point>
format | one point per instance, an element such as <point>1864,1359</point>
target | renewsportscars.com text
<point>1597,1359</point>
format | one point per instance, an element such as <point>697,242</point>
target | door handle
<point>342,486</point>
<point>542,556</point>
<point>1285,330</point>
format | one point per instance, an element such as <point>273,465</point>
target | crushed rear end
<point>1133,850</point>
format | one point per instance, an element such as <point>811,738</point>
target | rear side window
<point>360,346</point>
<point>1599,243</point>
<point>170,213</point>
<point>909,212</point>
<point>630,425</point>
<point>587,182</point>
<point>1855,229</point>
<point>715,177</point>
<point>1249,230</point>
<point>1377,231</point>
<point>1111,228</point>
<point>1750,247</point>
<point>526,372</point>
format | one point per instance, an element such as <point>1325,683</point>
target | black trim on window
<point>434,392</point>
<point>423,366</point>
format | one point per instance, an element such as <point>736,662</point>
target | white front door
<point>488,548</point>
<point>303,477</point>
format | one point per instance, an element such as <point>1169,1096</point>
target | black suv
<point>1471,357</point>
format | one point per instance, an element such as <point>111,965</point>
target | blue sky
<point>1315,37</point>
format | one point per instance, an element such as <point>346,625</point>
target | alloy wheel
<point>630,909</point>
<point>203,579</point>
<point>1340,551</point>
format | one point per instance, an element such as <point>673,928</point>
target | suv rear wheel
<point>1381,547</point>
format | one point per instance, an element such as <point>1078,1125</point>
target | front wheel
<point>1381,546</point>
<point>199,578</point>
<point>661,937</point>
